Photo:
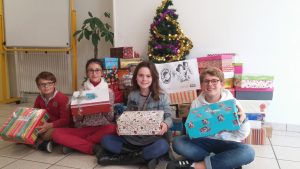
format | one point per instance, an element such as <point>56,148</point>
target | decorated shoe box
<point>110,63</point>
<point>140,122</point>
<point>122,52</point>
<point>228,79</point>
<point>125,63</point>
<point>256,116</point>
<point>183,97</point>
<point>253,93</point>
<point>216,60</point>
<point>211,119</point>
<point>238,68</point>
<point>255,106</point>
<point>21,125</point>
<point>253,81</point>
<point>90,102</point>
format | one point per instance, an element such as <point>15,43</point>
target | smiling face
<point>94,72</point>
<point>211,86</point>
<point>144,78</point>
<point>46,87</point>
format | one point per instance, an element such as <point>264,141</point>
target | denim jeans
<point>114,144</point>
<point>217,154</point>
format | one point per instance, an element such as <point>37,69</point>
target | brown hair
<point>213,71</point>
<point>154,87</point>
<point>93,60</point>
<point>45,75</point>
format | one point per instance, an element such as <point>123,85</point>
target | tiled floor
<point>282,151</point>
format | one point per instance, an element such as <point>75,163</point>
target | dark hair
<point>154,87</point>
<point>93,60</point>
<point>45,75</point>
<point>213,71</point>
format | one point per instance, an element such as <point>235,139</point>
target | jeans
<point>217,154</point>
<point>114,144</point>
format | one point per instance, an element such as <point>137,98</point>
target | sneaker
<point>97,149</point>
<point>184,164</point>
<point>67,150</point>
<point>46,146</point>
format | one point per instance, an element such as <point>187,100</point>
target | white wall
<point>264,33</point>
<point>85,47</point>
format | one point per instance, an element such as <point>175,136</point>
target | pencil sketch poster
<point>179,76</point>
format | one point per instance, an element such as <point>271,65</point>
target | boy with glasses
<point>223,150</point>
<point>57,106</point>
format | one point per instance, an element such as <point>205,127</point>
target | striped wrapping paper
<point>256,137</point>
<point>21,125</point>
<point>183,97</point>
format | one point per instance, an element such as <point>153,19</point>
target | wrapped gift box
<point>140,122</point>
<point>211,119</point>
<point>183,97</point>
<point>110,75</point>
<point>122,52</point>
<point>256,116</point>
<point>125,63</point>
<point>216,60</point>
<point>256,137</point>
<point>228,79</point>
<point>110,63</point>
<point>254,93</point>
<point>255,106</point>
<point>253,81</point>
<point>184,109</point>
<point>90,102</point>
<point>238,68</point>
<point>21,125</point>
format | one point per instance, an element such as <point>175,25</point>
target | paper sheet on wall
<point>179,76</point>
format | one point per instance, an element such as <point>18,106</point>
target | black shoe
<point>152,163</point>
<point>97,149</point>
<point>67,150</point>
<point>46,146</point>
<point>184,164</point>
<point>122,159</point>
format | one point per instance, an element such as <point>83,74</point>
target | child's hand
<point>163,128</point>
<point>44,127</point>
<point>241,113</point>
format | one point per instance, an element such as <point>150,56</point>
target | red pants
<point>82,139</point>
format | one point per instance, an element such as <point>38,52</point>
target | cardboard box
<point>253,81</point>
<point>210,119</point>
<point>254,93</point>
<point>140,122</point>
<point>183,97</point>
<point>122,52</point>
<point>238,68</point>
<point>256,137</point>
<point>110,63</point>
<point>21,125</point>
<point>90,102</point>
<point>216,60</point>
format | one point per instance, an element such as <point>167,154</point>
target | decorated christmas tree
<point>167,42</point>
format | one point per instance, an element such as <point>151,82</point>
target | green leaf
<point>95,39</point>
<point>107,14</point>
<point>93,23</point>
<point>90,14</point>
<point>80,36</point>
<point>107,26</point>
<point>99,24</point>
<point>77,32</point>
<point>87,34</point>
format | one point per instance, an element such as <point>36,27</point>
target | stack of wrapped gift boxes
<point>255,93</point>
<point>126,57</point>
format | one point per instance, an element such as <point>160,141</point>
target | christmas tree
<point>167,42</point>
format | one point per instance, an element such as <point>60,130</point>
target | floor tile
<point>5,161</point>
<point>279,126</point>
<point>262,163</point>
<point>292,127</point>
<point>23,164</point>
<point>4,144</point>
<point>41,156</point>
<point>287,153</point>
<point>288,141</point>
<point>16,151</point>
<point>286,133</point>
<point>60,167</point>
<point>78,160</point>
<point>263,151</point>
<point>289,164</point>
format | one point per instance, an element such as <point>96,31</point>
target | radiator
<point>30,64</point>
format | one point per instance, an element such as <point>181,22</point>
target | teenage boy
<point>57,106</point>
<point>223,150</point>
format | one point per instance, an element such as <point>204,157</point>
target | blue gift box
<point>110,63</point>
<point>211,119</point>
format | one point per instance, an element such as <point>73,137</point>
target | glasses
<point>213,81</point>
<point>94,70</point>
<point>44,85</point>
